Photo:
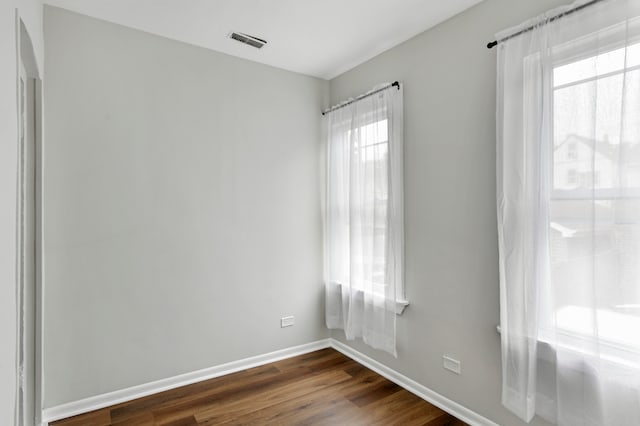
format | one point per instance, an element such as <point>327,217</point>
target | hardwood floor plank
<point>185,421</point>
<point>335,412</point>
<point>374,393</point>
<point>398,407</point>
<point>319,388</point>
<point>225,411</point>
<point>94,418</point>
<point>140,419</point>
<point>445,420</point>
<point>227,394</point>
<point>309,409</point>
<point>172,397</point>
<point>326,398</point>
<point>308,359</point>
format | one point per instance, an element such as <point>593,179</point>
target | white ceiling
<point>321,38</point>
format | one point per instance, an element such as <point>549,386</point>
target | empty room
<point>297,212</point>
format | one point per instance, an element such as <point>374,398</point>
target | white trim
<point>116,397</point>
<point>451,407</point>
<point>401,305</point>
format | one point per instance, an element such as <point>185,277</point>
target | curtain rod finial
<point>492,44</point>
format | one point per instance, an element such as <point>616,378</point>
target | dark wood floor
<point>319,388</point>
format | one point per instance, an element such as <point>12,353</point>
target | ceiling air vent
<point>248,39</point>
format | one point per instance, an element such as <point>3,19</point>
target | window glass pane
<point>592,147</point>
<point>374,133</point>
<point>370,210</point>
<point>595,203</point>
<point>604,63</point>
<point>595,247</point>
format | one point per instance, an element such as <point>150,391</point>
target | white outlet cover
<point>451,364</point>
<point>287,321</point>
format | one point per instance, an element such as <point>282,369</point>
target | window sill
<point>616,355</point>
<point>400,305</point>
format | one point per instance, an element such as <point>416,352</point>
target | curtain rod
<point>553,18</point>
<point>366,95</point>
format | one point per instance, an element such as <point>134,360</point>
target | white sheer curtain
<point>364,218</point>
<point>568,183</point>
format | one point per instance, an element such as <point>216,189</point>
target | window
<point>595,199</point>
<point>366,210</point>
<point>364,229</point>
<point>371,148</point>
<point>568,203</point>
<point>572,151</point>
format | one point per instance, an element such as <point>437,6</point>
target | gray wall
<point>30,12</point>
<point>181,188</point>
<point>450,201</point>
<point>182,216</point>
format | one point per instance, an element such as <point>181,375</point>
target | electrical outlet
<point>451,364</point>
<point>287,321</point>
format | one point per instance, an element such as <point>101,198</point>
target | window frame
<point>572,341</point>
<point>401,301</point>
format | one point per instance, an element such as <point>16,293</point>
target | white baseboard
<point>116,397</point>
<point>451,407</point>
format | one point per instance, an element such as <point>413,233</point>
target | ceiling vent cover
<point>252,41</point>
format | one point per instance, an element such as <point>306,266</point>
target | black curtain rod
<point>553,18</point>
<point>394,84</point>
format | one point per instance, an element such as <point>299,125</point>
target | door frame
<point>27,69</point>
